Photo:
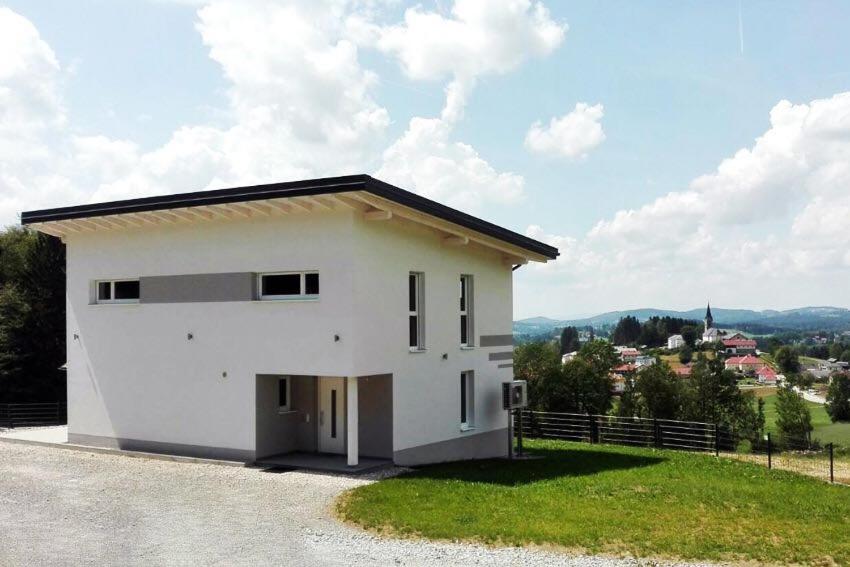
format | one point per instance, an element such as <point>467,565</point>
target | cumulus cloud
<point>478,38</point>
<point>571,135</point>
<point>301,104</point>
<point>769,222</point>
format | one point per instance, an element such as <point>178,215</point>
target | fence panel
<point>828,462</point>
<point>33,414</point>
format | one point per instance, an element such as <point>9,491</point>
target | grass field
<point>825,431</point>
<point>616,500</point>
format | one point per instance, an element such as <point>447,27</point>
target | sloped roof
<point>357,185</point>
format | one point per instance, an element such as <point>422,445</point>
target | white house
<point>675,341</point>
<point>341,315</point>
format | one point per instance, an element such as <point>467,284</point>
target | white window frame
<point>467,310</point>
<point>100,301</point>
<point>288,407</point>
<point>467,400</point>
<point>418,311</point>
<point>302,296</point>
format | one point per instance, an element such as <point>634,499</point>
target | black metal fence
<point>27,415</point>
<point>800,455</point>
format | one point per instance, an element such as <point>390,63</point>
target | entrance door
<point>332,415</point>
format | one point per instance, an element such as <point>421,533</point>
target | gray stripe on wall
<point>233,286</point>
<point>508,355</point>
<point>511,365</point>
<point>497,340</point>
<point>199,451</point>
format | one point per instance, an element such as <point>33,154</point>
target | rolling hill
<point>801,319</point>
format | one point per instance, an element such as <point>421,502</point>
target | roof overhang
<point>374,199</point>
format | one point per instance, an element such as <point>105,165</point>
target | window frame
<point>467,400</point>
<point>301,296</point>
<point>467,309</point>
<point>418,311</point>
<point>288,407</point>
<point>112,301</point>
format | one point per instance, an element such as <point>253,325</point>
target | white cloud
<point>770,222</point>
<point>478,38</point>
<point>571,135</point>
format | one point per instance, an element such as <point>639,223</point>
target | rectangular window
<point>283,394</point>
<point>416,314</point>
<point>290,285</point>
<point>467,400</point>
<point>118,291</point>
<point>467,337</point>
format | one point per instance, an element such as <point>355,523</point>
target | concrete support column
<point>353,420</point>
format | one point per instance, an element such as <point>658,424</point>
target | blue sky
<point>679,94</point>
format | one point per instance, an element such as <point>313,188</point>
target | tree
<point>601,356</point>
<point>838,398</point>
<point>686,355</point>
<point>845,355</point>
<point>581,388</point>
<point>537,363</point>
<point>32,316</point>
<point>793,418</point>
<point>659,393</point>
<point>712,395</point>
<point>787,360</point>
<point>569,340</point>
<point>689,335</point>
<point>627,331</point>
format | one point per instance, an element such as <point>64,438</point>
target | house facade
<point>342,316</point>
<point>675,341</point>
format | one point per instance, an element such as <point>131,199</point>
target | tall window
<point>290,285</point>
<point>118,291</point>
<point>283,394</point>
<point>416,313</point>
<point>467,400</point>
<point>467,337</point>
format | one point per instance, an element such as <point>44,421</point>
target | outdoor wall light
<point>189,336</point>
<point>336,338</point>
<point>445,356</point>
<point>224,374</point>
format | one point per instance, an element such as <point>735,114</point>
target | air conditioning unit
<point>514,394</point>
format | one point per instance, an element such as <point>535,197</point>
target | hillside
<point>767,321</point>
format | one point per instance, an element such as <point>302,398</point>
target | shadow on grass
<point>556,463</point>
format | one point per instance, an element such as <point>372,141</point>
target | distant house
<point>739,346</point>
<point>682,370</point>
<point>675,341</point>
<point>766,375</point>
<point>565,358</point>
<point>736,336</point>
<point>746,363</point>
<point>628,354</point>
<point>644,360</point>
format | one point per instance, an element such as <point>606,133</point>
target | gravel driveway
<point>60,507</point>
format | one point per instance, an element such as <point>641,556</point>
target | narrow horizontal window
<point>117,291</point>
<point>290,285</point>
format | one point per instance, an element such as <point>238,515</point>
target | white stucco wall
<point>133,374</point>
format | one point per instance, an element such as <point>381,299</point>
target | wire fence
<point>33,414</point>
<point>803,455</point>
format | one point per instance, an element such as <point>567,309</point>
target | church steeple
<point>709,320</point>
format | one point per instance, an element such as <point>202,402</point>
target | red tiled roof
<point>766,371</point>
<point>739,343</point>
<point>683,370</point>
<point>625,368</point>
<point>748,360</point>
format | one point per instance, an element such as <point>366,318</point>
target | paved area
<point>61,507</point>
<point>55,434</point>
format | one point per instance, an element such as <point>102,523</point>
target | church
<point>711,334</point>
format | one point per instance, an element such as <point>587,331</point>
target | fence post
<point>594,429</point>
<point>716,440</point>
<point>769,450</point>
<point>831,464</point>
<point>519,432</point>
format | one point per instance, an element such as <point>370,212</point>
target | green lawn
<point>616,500</point>
<point>825,431</point>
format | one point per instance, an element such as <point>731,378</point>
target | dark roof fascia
<point>324,186</point>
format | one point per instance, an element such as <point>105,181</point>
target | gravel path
<point>61,507</point>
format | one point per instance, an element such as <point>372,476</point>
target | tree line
<point>32,317</point>
<point>655,331</point>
